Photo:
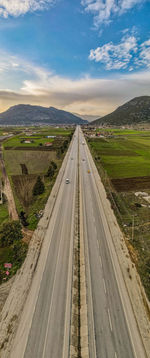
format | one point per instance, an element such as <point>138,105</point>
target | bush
<point>23,218</point>
<point>9,233</point>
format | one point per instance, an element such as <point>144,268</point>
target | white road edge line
<point>110,322</point>
<point>104,285</point>
<point>100,261</point>
<point>87,265</point>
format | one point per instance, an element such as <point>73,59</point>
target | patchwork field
<point>123,161</point>
<point>24,166</point>
<point>123,157</point>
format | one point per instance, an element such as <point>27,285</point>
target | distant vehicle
<point>71,158</point>
<point>67,181</point>
<point>83,143</point>
<point>83,160</point>
<point>89,171</point>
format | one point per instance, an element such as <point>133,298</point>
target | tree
<point>54,165</point>
<point>38,187</point>
<point>50,172</point>
<point>9,233</point>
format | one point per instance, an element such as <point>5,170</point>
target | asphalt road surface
<point>108,332</point>
<point>50,329</point>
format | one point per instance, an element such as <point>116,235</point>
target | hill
<point>24,114</point>
<point>131,113</point>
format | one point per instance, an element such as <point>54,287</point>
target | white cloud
<point>115,56</point>
<point>23,82</point>
<point>21,7</point>
<point>144,56</point>
<point>104,10</point>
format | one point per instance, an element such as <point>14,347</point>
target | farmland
<point>123,161</point>
<point>24,166</point>
<point>34,163</point>
<point>124,157</point>
<point>36,137</point>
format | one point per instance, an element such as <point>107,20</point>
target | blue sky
<point>85,56</point>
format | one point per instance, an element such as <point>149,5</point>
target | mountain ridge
<point>26,114</point>
<point>135,111</point>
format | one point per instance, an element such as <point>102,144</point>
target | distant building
<point>27,141</point>
<point>50,136</point>
<point>48,144</point>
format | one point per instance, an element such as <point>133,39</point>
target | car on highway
<point>67,181</point>
<point>83,143</point>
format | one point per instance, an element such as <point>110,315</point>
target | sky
<point>82,56</point>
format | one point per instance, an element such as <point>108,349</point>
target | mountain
<point>87,117</point>
<point>131,113</point>
<point>24,114</point>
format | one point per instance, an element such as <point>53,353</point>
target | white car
<point>67,181</point>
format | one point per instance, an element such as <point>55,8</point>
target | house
<point>27,141</point>
<point>50,136</point>
<point>48,144</point>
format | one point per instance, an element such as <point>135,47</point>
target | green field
<point>56,131</point>
<point>117,131</point>
<point>17,141</point>
<point>36,162</point>
<point>124,157</point>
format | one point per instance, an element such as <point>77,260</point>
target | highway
<point>45,326</point>
<point>108,332</point>
<point>50,328</point>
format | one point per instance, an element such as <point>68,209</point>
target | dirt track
<point>7,190</point>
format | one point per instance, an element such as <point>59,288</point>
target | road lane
<point>109,329</point>
<point>49,330</point>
